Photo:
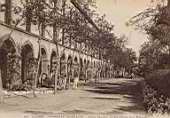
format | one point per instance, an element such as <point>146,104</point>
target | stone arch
<point>75,67</point>
<point>43,52</point>
<point>81,69</point>
<point>101,70</point>
<point>69,57</point>
<point>28,64</point>
<point>47,52</point>
<point>53,62</point>
<point>44,60</point>
<point>88,62</point>
<point>98,69</point>
<point>89,70</point>
<point>69,61</point>
<point>85,61</point>
<point>69,70</point>
<point>98,64</point>
<point>54,50</point>
<point>6,37</point>
<point>75,60</point>
<point>94,69</point>
<point>51,69</point>
<point>43,67</point>
<point>28,43</point>
<point>85,69</point>
<point>105,70</point>
<point>9,63</point>
<point>94,64</point>
<point>63,66</point>
<point>81,62</point>
<point>63,57</point>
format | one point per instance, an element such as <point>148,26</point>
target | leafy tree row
<point>79,23</point>
<point>155,22</point>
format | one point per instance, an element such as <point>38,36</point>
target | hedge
<point>160,81</point>
<point>156,91</point>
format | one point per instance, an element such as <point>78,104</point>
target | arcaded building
<point>25,54</point>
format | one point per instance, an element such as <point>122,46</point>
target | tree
<point>79,23</point>
<point>153,56</point>
<point>155,23</point>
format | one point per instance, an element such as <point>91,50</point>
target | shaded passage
<point>126,92</point>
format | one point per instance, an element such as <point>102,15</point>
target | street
<point>114,96</point>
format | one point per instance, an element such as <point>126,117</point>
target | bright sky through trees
<point>119,12</point>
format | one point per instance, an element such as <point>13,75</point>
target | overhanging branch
<point>84,14</point>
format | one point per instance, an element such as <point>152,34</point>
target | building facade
<point>27,55</point>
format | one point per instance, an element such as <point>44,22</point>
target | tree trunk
<point>8,11</point>
<point>55,36</point>
<point>56,77</point>
<point>28,18</point>
<point>64,14</point>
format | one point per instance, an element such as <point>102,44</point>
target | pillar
<point>33,71</point>
<point>14,81</point>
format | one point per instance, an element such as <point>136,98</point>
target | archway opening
<point>89,70</point>
<point>7,50</point>
<point>43,67</point>
<point>75,60</point>
<point>28,65</point>
<point>75,68</point>
<point>69,71</point>
<point>52,69</point>
<point>44,60</point>
<point>63,69</point>
<point>94,70</point>
<point>88,62</point>
<point>81,70</point>
<point>85,70</point>
<point>94,64</point>
<point>53,62</point>
<point>84,61</point>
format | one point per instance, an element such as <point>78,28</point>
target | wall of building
<point>25,57</point>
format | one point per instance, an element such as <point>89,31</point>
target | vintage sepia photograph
<point>84,58</point>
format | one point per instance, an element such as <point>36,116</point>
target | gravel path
<point>115,96</point>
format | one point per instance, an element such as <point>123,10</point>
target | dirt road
<point>114,96</point>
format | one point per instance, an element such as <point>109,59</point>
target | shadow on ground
<point>131,90</point>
